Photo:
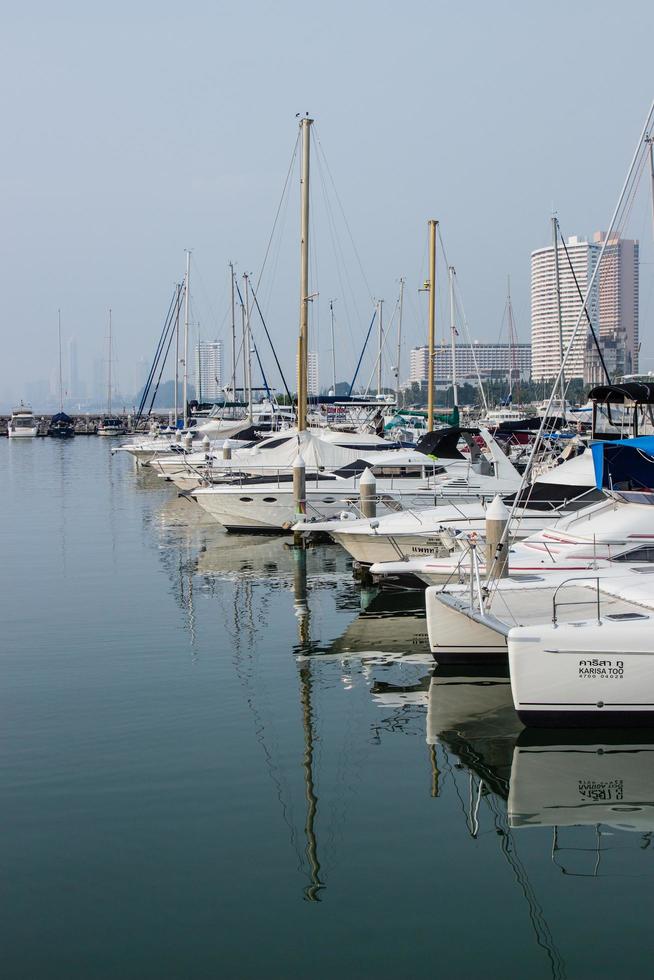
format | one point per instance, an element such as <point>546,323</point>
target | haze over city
<point>137,132</point>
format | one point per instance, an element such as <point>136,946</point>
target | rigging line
<point>339,254</point>
<point>218,325</point>
<point>585,306</point>
<point>557,382</point>
<point>286,182</point>
<point>385,342</point>
<point>162,339</point>
<point>542,931</point>
<point>256,349</point>
<point>279,367</point>
<point>316,140</point>
<point>362,352</point>
<point>171,334</point>
<point>458,299</point>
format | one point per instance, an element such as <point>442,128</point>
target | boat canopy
<point>641,392</point>
<point>61,417</point>
<point>624,464</point>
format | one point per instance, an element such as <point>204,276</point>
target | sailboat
<point>61,425</point>
<point>110,425</point>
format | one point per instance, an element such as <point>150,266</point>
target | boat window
<point>267,500</point>
<point>639,554</point>
<point>625,617</point>
<point>329,500</point>
<point>246,500</point>
<point>274,443</point>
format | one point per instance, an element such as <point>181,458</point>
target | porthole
<point>329,500</point>
<point>269,500</point>
<point>246,500</point>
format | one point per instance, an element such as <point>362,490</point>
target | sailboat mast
<point>109,370</point>
<point>555,245</point>
<point>231,275</point>
<point>380,344</point>
<point>650,140</point>
<point>61,382</point>
<point>455,391</point>
<point>303,341</point>
<point>247,350</point>
<point>187,292</point>
<point>399,344</point>
<point>331,315</point>
<point>177,313</point>
<point>432,325</point>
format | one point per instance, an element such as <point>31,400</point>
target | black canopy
<point>617,394</point>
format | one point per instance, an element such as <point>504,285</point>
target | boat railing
<point>558,603</point>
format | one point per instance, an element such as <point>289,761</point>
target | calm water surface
<point>222,759</point>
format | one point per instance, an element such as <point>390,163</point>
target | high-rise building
<point>612,306</point>
<point>618,311</point>
<point>545,336</point>
<point>313,381</point>
<point>209,370</point>
<point>491,361</point>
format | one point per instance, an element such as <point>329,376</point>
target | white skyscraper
<point>612,306</point>
<point>209,370</point>
<point>545,342</point>
<point>313,382</point>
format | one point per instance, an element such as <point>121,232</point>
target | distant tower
<point>612,306</point>
<point>209,370</point>
<point>312,372</point>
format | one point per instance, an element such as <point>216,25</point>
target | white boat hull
<point>597,673</point>
<point>26,433</point>
<point>457,638</point>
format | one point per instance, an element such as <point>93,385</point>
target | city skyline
<point>216,189</point>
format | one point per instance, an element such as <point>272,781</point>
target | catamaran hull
<point>595,673</point>
<point>457,638</point>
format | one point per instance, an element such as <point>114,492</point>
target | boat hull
<point>596,673</point>
<point>458,638</point>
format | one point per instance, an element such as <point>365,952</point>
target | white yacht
<point>22,424</point>
<point>411,534</point>
<point>403,479</point>
<point>614,529</point>
<point>111,425</point>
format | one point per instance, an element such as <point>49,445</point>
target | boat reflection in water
<point>588,787</point>
<point>471,715</point>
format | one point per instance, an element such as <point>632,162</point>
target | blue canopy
<point>624,464</point>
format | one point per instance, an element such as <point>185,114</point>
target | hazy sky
<point>134,131</point>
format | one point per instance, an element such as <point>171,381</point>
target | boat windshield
<point>23,422</point>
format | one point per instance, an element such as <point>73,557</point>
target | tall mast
<point>331,316</point>
<point>380,344</point>
<point>399,344</point>
<point>61,382</point>
<point>109,370</point>
<point>303,342</point>
<point>432,324</point>
<point>248,348</point>
<point>555,244</point>
<point>231,274</point>
<point>455,392</point>
<point>244,345</point>
<point>187,292</point>
<point>177,313</point>
<point>650,140</point>
<point>514,372</point>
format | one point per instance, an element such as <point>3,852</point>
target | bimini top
<point>624,464</point>
<point>617,394</point>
